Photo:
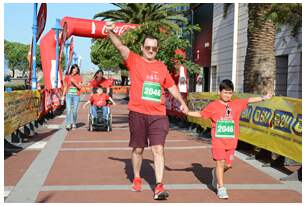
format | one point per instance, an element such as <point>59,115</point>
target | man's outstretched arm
<point>177,95</point>
<point>124,51</point>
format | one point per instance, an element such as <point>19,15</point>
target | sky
<point>18,22</point>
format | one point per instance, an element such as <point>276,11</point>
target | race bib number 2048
<point>151,91</point>
<point>225,129</point>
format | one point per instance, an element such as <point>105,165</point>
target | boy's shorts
<point>223,154</point>
<point>147,129</point>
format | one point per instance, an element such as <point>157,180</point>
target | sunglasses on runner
<point>148,48</point>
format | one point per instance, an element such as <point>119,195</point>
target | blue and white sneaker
<point>222,193</point>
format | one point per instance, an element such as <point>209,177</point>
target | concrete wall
<point>222,44</point>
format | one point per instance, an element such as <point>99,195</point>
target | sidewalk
<point>83,166</point>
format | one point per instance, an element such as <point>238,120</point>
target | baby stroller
<point>100,123</point>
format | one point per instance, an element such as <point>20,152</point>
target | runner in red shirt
<point>100,81</point>
<point>148,122</point>
<point>99,100</point>
<point>72,91</point>
<point>224,115</point>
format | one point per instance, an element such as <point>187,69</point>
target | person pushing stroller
<point>99,100</point>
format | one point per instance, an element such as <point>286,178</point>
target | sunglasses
<point>148,48</point>
<point>228,110</point>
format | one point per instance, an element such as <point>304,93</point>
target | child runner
<point>99,100</point>
<point>224,114</point>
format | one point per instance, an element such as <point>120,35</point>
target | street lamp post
<point>34,28</point>
<point>57,29</point>
<point>67,44</point>
<point>75,58</point>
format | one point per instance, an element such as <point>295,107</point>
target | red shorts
<point>223,154</point>
<point>147,129</point>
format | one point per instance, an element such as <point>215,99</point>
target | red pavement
<point>96,167</point>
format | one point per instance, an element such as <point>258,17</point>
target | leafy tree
<point>16,55</point>
<point>104,54</point>
<point>133,13</point>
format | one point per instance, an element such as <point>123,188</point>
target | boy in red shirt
<point>99,100</point>
<point>224,114</point>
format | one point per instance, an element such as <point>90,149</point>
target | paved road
<point>82,166</point>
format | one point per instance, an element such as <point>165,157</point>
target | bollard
<point>36,123</point>
<point>26,131</point>
<point>15,138</point>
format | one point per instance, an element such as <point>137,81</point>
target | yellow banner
<point>20,108</point>
<point>275,124</point>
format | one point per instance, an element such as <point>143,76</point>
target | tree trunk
<point>260,66</point>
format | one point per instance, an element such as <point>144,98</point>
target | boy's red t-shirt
<point>76,78</point>
<point>143,75</point>
<point>216,111</point>
<point>99,99</point>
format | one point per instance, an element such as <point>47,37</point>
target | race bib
<point>73,90</point>
<point>151,91</point>
<point>225,129</point>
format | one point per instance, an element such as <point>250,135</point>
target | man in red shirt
<point>224,114</point>
<point>148,122</point>
<point>99,100</point>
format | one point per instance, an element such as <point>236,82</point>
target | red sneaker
<point>137,184</point>
<point>160,193</point>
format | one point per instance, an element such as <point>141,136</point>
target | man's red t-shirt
<point>215,111</point>
<point>76,78</point>
<point>148,80</point>
<point>105,83</point>
<point>99,99</point>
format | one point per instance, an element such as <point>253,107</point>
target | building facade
<point>288,52</point>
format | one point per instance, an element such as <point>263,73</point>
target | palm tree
<point>259,69</point>
<point>140,13</point>
<point>260,64</point>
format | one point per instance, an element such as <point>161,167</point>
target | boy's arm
<point>259,99</point>
<point>124,50</point>
<point>194,114</point>
<point>112,101</point>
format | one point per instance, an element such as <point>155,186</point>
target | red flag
<point>41,20</point>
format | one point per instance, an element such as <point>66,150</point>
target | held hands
<point>184,109</point>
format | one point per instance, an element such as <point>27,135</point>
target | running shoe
<point>137,185</point>
<point>68,127</point>
<point>74,126</point>
<point>160,193</point>
<point>222,193</point>
<point>213,178</point>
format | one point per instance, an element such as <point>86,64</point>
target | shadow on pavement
<point>11,149</point>
<point>203,174</point>
<point>146,172</point>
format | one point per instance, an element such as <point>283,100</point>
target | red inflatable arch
<point>72,26</point>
